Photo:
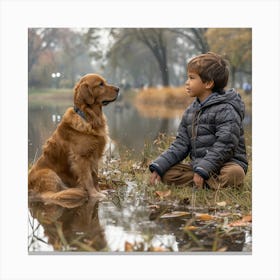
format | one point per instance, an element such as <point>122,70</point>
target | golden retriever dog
<point>67,170</point>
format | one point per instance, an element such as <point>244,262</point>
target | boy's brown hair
<point>210,67</point>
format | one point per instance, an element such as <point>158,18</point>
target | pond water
<point>124,221</point>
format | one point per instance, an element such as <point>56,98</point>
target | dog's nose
<point>117,89</point>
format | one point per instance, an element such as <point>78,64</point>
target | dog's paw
<point>97,195</point>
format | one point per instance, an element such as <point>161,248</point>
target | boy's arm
<point>228,127</point>
<point>177,151</point>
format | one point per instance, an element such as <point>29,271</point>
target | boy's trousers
<point>231,174</point>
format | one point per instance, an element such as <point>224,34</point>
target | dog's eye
<point>101,84</point>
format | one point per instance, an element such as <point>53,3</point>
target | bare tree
<point>195,36</point>
<point>57,50</point>
<point>159,46</point>
<point>39,40</point>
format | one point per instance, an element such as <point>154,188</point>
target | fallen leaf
<point>238,223</point>
<point>158,249</point>
<point>245,221</point>
<point>163,194</point>
<point>247,218</point>
<point>221,204</point>
<point>223,249</point>
<point>190,228</point>
<point>175,214</point>
<point>205,217</point>
<point>128,247</point>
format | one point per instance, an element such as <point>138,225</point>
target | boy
<point>210,132</point>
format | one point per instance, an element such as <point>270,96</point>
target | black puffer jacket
<point>211,133</point>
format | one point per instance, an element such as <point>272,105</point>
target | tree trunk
<point>233,72</point>
<point>158,47</point>
<point>164,75</point>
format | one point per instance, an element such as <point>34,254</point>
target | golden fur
<point>67,170</point>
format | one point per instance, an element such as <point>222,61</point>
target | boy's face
<point>196,88</point>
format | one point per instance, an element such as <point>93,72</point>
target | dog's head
<point>92,89</point>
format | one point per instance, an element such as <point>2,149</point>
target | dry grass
<point>173,96</point>
<point>240,198</point>
<point>48,96</point>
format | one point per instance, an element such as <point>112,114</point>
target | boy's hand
<point>198,180</point>
<point>155,178</point>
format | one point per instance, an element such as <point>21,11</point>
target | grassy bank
<point>50,95</point>
<point>126,169</point>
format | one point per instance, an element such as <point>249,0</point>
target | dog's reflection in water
<point>70,229</point>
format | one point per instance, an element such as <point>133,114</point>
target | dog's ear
<point>85,93</point>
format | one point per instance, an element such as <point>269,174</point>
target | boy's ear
<point>209,84</point>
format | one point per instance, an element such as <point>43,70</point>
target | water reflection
<point>42,121</point>
<point>75,229</point>
<point>125,218</point>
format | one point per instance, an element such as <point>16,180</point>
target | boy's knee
<point>178,174</point>
<point>232,174</point>
<point>171,176</point>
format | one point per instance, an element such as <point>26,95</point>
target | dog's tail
<point>69,198</point>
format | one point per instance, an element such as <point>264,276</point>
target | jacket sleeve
<point>177,151</point>
<point>228,127</point>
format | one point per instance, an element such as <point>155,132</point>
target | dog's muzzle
<point>106,102</point>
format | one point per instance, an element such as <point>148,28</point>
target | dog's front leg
<point>94,174</point>
<point>90,183</point>
<point>83,171</point>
